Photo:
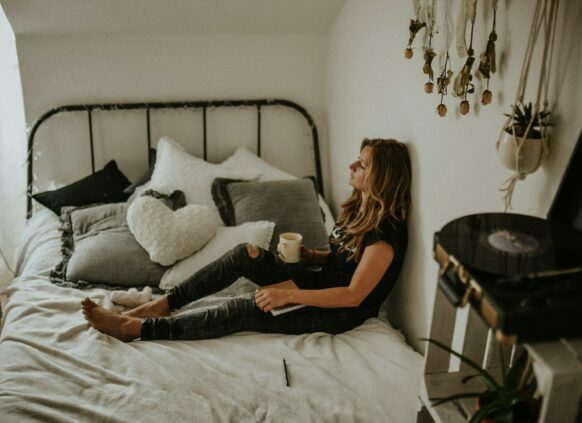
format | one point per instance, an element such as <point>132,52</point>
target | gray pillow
<point>292,204</point>
<point>99,250</point>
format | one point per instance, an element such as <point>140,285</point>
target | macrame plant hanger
<point>545,16</point>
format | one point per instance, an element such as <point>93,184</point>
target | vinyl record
<point>511,244</point>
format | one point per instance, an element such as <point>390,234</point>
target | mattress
<point>53,367</point>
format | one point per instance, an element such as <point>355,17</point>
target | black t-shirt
<point>393,233</point>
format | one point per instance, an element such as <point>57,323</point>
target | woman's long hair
<point>387,187</point>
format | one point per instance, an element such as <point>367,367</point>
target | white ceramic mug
<point>289,247</point>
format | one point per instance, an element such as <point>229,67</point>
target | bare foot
<point>124,328</point>
<point>156,308</point>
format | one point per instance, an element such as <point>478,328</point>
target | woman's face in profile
<point>359,168</point>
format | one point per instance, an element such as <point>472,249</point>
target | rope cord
<point>446,26</point>
<point>430,19</point>
<point>416,7</point>
<point>494,6</point>
<point>461,29</point>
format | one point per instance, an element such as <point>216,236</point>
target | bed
<point>53,368</point>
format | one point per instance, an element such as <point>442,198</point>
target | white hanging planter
<point>530,154</point>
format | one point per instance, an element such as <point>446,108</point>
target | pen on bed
<point>286,374</point>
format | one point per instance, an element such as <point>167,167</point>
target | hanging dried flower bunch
<point>487,66</point>
<point>446,74</point>
<point>415,26</point>
<point>443,82</point>
<point>463,84</point>
<point>429,53</point>
<point>425,13</point>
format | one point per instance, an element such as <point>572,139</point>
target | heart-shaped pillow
<point>167,235</point>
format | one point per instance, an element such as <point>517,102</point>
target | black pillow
<point>103,186</point>
<point>292,204</point>
<point>146,176</point>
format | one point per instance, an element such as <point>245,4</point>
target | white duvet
<point>54,368</point>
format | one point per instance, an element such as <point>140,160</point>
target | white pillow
<point>243,158</point>
<point>176,169</point>
<point>168,235</point>
<point>256,233</point>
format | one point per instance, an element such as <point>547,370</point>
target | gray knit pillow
<point>292,204</point>
<point>99,250</point>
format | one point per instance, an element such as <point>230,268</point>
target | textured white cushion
<point>168,235</point>
<point>132,297</point>
<point>256,233</point>
<point>177,170</point>
<point>243,158</point>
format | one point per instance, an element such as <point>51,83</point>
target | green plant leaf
<point>440,401</point>
<point>523,114</point>
<point>519,115</point>
<point>487,378</point>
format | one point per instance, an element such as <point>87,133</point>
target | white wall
<point>12,155</point>
<point>372,91</point>
<point>77,68</point>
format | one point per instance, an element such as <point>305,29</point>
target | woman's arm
<point>375,261</point>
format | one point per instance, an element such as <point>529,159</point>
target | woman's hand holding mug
<point>289,247</point>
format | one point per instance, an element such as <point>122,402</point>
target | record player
<point>523,274</point>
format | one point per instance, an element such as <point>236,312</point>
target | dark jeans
<point>242,314</point>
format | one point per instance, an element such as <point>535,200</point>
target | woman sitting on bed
<point>368,245</point>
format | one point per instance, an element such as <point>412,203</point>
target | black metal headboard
<point>204,105</point>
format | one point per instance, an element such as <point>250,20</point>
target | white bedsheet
<point>54,368</point>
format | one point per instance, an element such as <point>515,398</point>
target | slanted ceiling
<point>38,17</point>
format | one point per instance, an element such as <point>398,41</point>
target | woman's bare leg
<point>156,308</point>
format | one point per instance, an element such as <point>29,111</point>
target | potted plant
<point>527,129</point>
<point>507,401</point>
